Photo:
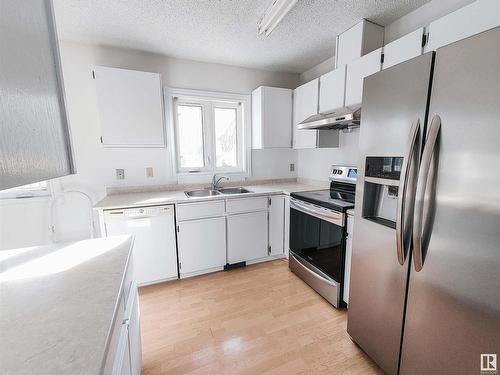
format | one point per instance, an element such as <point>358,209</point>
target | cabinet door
<point>305,104</point>
<point>356,72</point>
<point>472,19</point>
<point>271,118</point>
<point>276,225</point>
<point>34,134</point>
<point>404,48</point>
<point>130,107</point>
<point>121,364</point>
<point>134,336</point>
<point>247,237</point>
<point>332,90</point>
<point>201,245</point>
<point>348,256</point>
<point>287,225</point>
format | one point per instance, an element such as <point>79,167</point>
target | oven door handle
<point>323,214</point>
<point>314,274</point>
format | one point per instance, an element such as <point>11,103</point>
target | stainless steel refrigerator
<point>425,278</point>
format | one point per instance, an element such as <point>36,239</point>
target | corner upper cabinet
<point>271,117</point>
<point>130,107</point>
<point>404,48</point>
<point>357,70</point>
<point>305,104</point>
<point>34,134</point>
<point>332,90</point>
<point>472,19</point>
<point>360,39</point>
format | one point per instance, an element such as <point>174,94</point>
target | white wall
<point>318,70</point>
<point>315,164</point>
<point>27,222</point>
<point>77,62</point>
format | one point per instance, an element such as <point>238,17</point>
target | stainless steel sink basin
<point>234,190</point>
<point>201,193</point>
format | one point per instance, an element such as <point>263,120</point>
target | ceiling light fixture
<point>274,14</point>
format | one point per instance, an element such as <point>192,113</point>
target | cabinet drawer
<point>247,205</point>
<point>188,211</point>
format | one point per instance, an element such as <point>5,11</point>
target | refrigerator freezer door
<point>393,100</point>
<point>453,312</point>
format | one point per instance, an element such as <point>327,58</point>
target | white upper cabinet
<point>271,118</point>
<point>404,48</point>
<point>474,18</point>
<point>357,70</point>
<point>130,107</point>
<point>357,41</point>
<point>34,134</point>
<point>332,90</point>
<point>305,104</point>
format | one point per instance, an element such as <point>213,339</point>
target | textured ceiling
<point>223,31</point>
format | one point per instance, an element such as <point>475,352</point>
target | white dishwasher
<point>155,251</point>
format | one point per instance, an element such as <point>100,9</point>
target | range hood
<point>344,119</point>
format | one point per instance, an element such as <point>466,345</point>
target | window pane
<point>225,137</point>
<point>190,134</point>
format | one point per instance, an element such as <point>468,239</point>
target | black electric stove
<point>318,234</point>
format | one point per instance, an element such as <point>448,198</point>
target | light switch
<point>292,167</point>
<point>120,174</point>
<point>149,172</point>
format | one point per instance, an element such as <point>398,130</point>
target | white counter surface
<point>172,197</point>
<point>57,305</point>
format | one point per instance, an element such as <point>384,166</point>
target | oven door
<point>317,247</point>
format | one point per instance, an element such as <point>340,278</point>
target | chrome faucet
<point>215,181</point>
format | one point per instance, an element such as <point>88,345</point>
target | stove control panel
<point>343,173</point>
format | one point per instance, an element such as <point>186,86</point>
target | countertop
<point>57,305</point>
<point>178,196</point>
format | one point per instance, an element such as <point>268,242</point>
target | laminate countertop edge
<point>145,199</point>
<point>59,303</point>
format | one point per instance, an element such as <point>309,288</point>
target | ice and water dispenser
<point>380,200</point>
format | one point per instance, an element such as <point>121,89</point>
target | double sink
<point>210,192</point>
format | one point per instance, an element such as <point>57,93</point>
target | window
<point>37,189</point>
<point>209,133</point>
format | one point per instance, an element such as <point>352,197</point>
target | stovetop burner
<point>340,196</point>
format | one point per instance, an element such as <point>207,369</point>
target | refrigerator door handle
<point>423,175</point>
<point>403,186</point>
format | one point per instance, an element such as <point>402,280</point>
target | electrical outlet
<point>292,167</point>
<point>120,174</point>
<point>149,172</point>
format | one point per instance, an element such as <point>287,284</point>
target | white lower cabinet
<point>124,347</point>
<point>247,237</point>
<point>240,229</point>
<point>277,225</point>
<point>201,245</point>
<point>348,257</point>
<point>134,337</point>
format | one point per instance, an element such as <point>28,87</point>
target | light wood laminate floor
<point>254,320</point>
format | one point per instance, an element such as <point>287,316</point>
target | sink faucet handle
<point>215,181</point>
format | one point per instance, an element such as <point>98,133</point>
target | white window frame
<point>210,100</point>
<point>34,190</point>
